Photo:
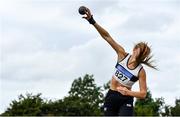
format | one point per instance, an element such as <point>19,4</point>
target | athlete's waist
<point>118,82</point>
<point>115,84</point>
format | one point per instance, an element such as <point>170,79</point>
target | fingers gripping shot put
<point>127,71</point>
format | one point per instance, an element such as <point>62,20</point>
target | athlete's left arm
<point>142,87</point>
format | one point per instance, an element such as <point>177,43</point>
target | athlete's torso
<point>124,76</point>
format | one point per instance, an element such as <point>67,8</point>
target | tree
<point>25,105</point>
<point>172,111</point>
<point>167,111</point>
<point>52,108</point>
<point>85,98</point>
<point>148,106</point>
<point>175,111</point>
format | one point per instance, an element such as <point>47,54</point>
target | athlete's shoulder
<point>142,73</point>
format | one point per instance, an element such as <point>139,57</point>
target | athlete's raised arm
<point>105,35</point>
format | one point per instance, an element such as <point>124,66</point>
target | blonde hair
<point>145,54</point>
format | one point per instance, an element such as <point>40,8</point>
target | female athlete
<point>128,70</point>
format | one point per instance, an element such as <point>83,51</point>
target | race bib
<point>121,76</point>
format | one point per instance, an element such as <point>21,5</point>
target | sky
<point>45,45</point>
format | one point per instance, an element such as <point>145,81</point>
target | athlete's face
<point>136,52</point>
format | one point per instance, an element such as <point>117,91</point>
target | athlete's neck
<point>132,63</point>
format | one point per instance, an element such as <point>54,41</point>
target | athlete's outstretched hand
<point>89,17</point>
<point>88,14</point>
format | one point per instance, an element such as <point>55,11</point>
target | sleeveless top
<point>125,75</point>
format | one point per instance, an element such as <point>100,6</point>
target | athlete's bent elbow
<point>143,95</point>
